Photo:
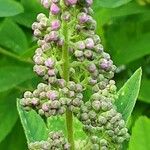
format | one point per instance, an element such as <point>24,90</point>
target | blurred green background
<point>124,26</point>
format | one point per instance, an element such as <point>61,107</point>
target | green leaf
<point>128,94</point>
<point>109,14</point>
<point>140,135</point>
<point>8,112</point>
<point>34,126</point>
<point>10,8</point>
<point>32,8</point>
<point>12,37</point>
<point>112,3</point>
<point>15,140</point>
<point>144,94</point>
<point>12,76</point>
<point>135,48</point>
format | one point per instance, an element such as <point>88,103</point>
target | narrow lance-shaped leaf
<point>34,126</point>
<point>128,94</point>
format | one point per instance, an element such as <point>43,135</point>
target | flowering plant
<point>77,82</point>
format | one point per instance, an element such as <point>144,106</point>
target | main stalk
<point>65,58</point>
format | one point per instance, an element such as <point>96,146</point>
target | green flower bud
<point>96,105</point>
<point>102,120</point>
<point>84,116</point>
<point>103,142</point>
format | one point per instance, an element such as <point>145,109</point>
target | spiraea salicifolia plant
<point>71,60</point>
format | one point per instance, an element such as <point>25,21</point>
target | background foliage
<point>124,26</point>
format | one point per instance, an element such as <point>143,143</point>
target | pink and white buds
<point>54,9</point>
<point>82,17</point>
<point>105,64</point>
<point>52,95</point>
<point>46,3</point>
<point>40,70</point>
<point>89,2</point>
<point>51,72</point>
<point>66,16</point>
<point>53,36</point>
<point>89,43</point>
<point>70,2</point>
<point>55,25</point>
<point>92,67</point>
<point>40,16</point>
<point>80,45</point>
<point>49,63</point>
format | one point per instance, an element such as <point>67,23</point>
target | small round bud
<point>66,16</point>
<point>40,16</point>
<point>102,120</point>
<point>45,3</point>
<point>103,142</point>
<point>28,94</point>
<point>54,9</point>
<point>80,45</point>
<point>82,17</point>
<point>55,104</point>
<point>96,105</point>
<point>88,54</point>
<point>55,24</point>
<point>51,72</point>
<point>89,43</point>
<point>45,107</point>
<point>84,116</point>
<point>52,95</point>
<point>70,2</point>
<point>78,53</point>
<point>49,63</point>
<point>79,88</point>
<point>92,67</point>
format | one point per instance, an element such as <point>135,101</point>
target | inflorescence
<point>70,26</point>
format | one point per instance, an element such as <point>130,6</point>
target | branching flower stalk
<point>72,62</point>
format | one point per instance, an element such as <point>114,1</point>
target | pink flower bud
<point>89,43</point>
<point>82,17</point>
<point>55,25</point>
<point>92,67</point>
<point>70,2</point>
<point>66,16</point>
<point>51,72</point>
<point>39,69</point>
<point>49,63</point>
<point>38,59</point>
<point>54,9</point>
<point>35,26</point>
<point>89,2</point>
<point>52,95</point>
<point>61,83</point>
<point>80,45</point>
<point>35,101</point>
<point>45,107</point>
<point>37,32</point>
<point>105,64</point>
<point>45,3</point>
<point>53,36</point>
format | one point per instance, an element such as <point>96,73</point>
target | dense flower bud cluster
<point>50,100</point>
<point>69,45</point>
<point>55,141</point>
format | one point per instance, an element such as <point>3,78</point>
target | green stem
<point>65,58</point>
